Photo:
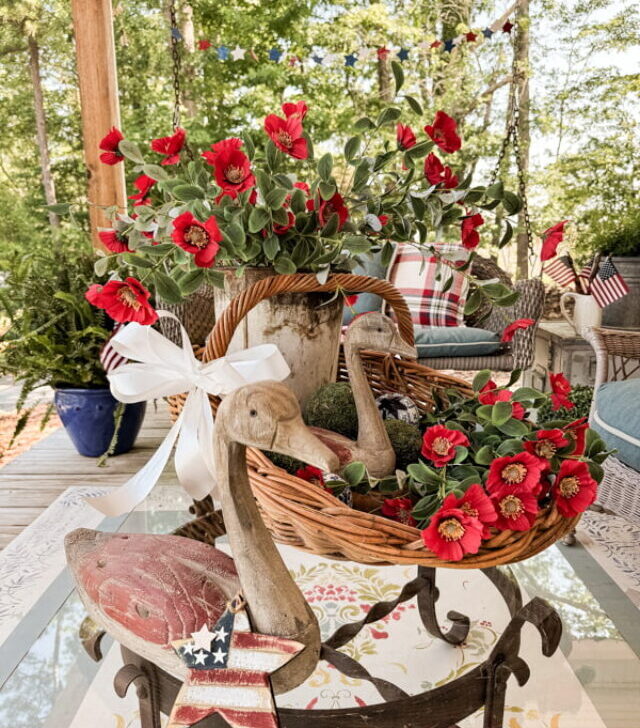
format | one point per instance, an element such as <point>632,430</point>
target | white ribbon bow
<point>163,369</point>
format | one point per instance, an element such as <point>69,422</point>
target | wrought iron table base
<point>482,687</point>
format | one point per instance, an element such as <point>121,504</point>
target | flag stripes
<point>109,357</point>
<point>608,285</point>
<point>561,270</point>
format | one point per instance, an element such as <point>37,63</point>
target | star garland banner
<point>356,58</point>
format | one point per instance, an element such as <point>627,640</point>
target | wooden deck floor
<point>36,478</point>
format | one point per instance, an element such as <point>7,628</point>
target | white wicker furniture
<point>617,358</point>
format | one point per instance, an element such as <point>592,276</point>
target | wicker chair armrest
<point>609,343</point>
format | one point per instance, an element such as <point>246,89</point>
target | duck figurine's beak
<point>293,438</point>
<point>400,347</point>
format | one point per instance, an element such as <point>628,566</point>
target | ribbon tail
<point>194,452</point>
<point>137,488</point>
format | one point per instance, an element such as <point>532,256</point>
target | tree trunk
<point>384,78</point>
<point>41,128</point>
<point>188,71</point>
<point>522,58</point>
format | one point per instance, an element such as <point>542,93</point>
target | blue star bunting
<point>448,45</point>
<point>223,53</point>
<point>487,32</point>
<point>275,54</point>
<point>403,54</point>
<point>175,33</point>
<point>317,59</point>
<point>350,60</point>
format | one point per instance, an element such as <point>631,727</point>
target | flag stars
<point>203,638</point>
<point>238,53</point>
<point>220,635</point>
<point>218,656</point>
<point>201,657</point>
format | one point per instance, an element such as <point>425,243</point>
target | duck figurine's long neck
<point>372,434</point>
<point>277,606</point>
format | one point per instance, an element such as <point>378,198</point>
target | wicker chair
<point>518,354</point>
<point>617,358</point>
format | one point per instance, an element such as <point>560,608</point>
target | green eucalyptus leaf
<point>166,288</point>
<point>364,124</point>
<point>188,192</point>
<point>484,456</point>
<point>327,190</point>
<point>192,280</point>
<point>352,147</point>
<point>325,167</point>
<point>298,201</point>
<point>495,191</point>
<point>156,172</point>
<point>388,115</point>
<point>511,202</point>
<point>415,106</point>
<point>275,197</point>
<point>131,151</point>
<point>284,265</point>
<point>258,219</point>
<point>398,75</point>
<point>480,379</point>
<point>501,412</point>
<point>331,228</point>
<point>514,428</point>
<point>101,265</point>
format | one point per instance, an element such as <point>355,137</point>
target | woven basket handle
<point>222,333</point>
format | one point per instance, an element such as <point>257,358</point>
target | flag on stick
<point>608,285</point>
<point>561,270</point>
<point>109,357</point>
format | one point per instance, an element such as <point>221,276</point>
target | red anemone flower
<point>516,510</point>
<point>311,474</point>
<point>405,136</point>
<point>576,433</point>
<point>475,503</point>
<point>143,184</point>
<point>510,330</point>
<point>439,444</point>
<point>444,132</point>
<point>547,443</point>
<point>519,473</point>
<point>170,146</point>
<point>452,533</point>
<point>551,238</point>
<point>286,134</point>
<point>574,489</point>
<point>200,239</point>
<point>302,186</point>
<point>399,509</point>
<point>329,207</point>
<point>282,229</point>
<point>469,236</point>
<point>438,173</point>
<point>298,110</point>
<point>124,301</point>
<point>560,391</point>
<point>114,241</point>
<point>109,145</point>
<point>489,386</point>
<point>490,396</point>
<point>231,166</point>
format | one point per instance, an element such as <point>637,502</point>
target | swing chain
<point>175,54</point>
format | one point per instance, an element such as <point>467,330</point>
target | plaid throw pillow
<point>414,273</point>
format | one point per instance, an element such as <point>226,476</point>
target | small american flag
<point>561,270</point>
<point>109,357</point>
<point>229,670</point>
<point>608,285</point>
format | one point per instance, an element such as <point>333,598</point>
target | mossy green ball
<point>332,407</point>
<point>406,440</point>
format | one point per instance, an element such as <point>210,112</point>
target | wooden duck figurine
<point>374,332</point>
<point>147,591</point>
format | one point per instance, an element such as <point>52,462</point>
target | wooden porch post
<point>98,81</point>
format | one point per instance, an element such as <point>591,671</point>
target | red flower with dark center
<point>510,330</point>
<point>551,238</point>
<point>444,132</point>
<point>170,146</point>
<point>490,396</point>
<point>452,533</point>
<point>475,503</point>
<point>399,509</point>
<point>286,134</point>
<point>438,173</point>
<point>203,45</point>
<point>143,184</point>
<point>405,136</point>
<point>199,239</point>
<point>469,235</point>
<point>114,241</point>
<point>576,433</point>
<point>329,207</point>
<point>124,301</point>
<point>282,229</point>
<point>232,167</point>
<point>560,389</point>
<point>519,473</point>
<point>546,444</point>
<point>109,145</point>
<point>439,444</point>
<point>516,511</point>
<point>311,474</point>
<point>298,110</point>
<point>574,490</point>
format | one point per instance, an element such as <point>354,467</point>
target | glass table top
<point>593,680</point>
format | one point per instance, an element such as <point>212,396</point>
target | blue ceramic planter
<point>87,415</point>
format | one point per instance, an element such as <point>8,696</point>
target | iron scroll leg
<point>427,598</point>
<point>141,673</point>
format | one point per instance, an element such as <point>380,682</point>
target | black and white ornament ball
<point>345,496</point>
<point>394,406</point>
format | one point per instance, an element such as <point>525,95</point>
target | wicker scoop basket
<point>304,515</point>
